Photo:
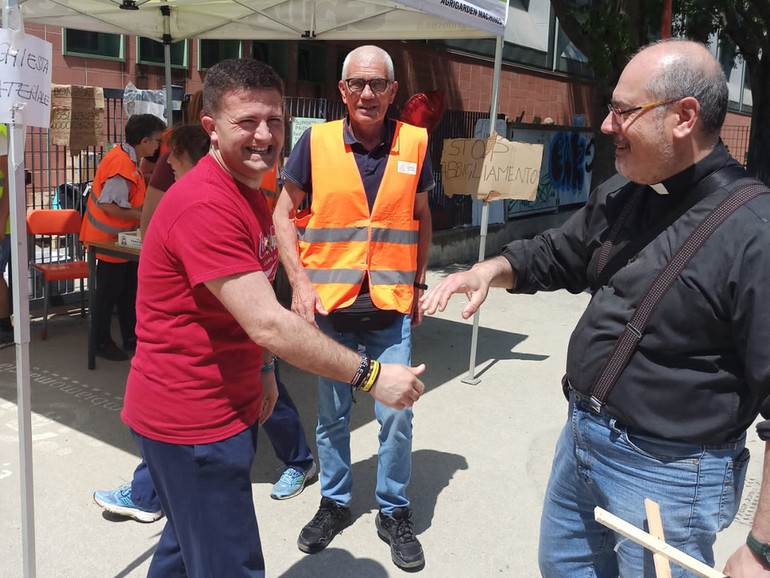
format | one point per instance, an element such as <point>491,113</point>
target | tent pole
<point>166,11</point>
<point>14,186</point>
<point>471,377</point>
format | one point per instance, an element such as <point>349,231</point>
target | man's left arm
<point>425,231</point>
<point>744,563</point>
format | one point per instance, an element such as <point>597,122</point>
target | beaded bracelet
<point>362,372</point>
<point>269,366</point>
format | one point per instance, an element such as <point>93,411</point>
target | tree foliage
<point>608,32</point>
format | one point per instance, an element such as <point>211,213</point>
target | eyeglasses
<point>619,114</point>
<point>357,85</point>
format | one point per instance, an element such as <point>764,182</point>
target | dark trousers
<point>205,492</point>
<point>283,428</point>
<point>115,286</point>
<point>285,431</point>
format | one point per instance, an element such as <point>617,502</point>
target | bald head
<point>368,55</point>
<point>679,68</point>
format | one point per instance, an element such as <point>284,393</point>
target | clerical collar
<point>659,188</point>
<point>682,182</point>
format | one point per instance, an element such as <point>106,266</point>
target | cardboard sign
<point>491,169</point>
<point>77,116</point>
<point>25,78</point>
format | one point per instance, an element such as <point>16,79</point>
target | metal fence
<point>736,139</point>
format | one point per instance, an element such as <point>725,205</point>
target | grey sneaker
<point>119,502</point>
<point>293,481</point>
<point>398,531</point>
<point>329,520</point>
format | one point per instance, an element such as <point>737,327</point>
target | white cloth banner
<point>25,78</point>
<point>487,15</point>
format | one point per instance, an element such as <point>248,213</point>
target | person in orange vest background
<point>357,272</point>
<point>6,327</point>
<point>115,205</point>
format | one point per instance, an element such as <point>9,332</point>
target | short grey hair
<point>701,78</point>
<point>369,53</point>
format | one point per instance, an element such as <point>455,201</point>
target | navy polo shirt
<point>371,164</point>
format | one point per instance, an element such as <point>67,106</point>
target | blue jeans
<point>394,466</point>
<point>205,491</point>
<point>599,462</point>
<point>283,428</point>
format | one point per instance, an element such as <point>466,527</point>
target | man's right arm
<point>250,299</point>
<point>475,283</point>
<point>305,301</point>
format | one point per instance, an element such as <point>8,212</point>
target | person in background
<point>162,174</point>
<point>203,377</point>
<point>115,205</point>
<point>363,253</point>
<point>673,426</point>
<point>186,145</point>
<point>6,327</point>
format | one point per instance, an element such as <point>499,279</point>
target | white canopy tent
<point>171,20</point>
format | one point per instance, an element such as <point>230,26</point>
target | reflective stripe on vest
<point>97,224</point>
<point>340,240</point>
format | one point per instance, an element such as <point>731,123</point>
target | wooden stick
<point>641,537</point>
<point>662,565</point>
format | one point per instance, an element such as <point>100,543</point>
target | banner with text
<point>491,169</point>
<point>77,116</point>
<point>487,15</point>
<point>25,78</point>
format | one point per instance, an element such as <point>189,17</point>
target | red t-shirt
<point>162,175</point>
<point>195,376</point>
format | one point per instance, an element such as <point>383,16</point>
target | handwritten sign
<point>491,169</point>
<point>299,124</point>
<point>25,78</point>
<point>77,116</point>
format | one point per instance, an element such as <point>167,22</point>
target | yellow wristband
<point>373,375</point>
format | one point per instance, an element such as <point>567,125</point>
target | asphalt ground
<point>481,457</point>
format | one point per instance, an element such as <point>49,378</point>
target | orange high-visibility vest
<point>269,187</point>
<point>98,225</point>
<point>340,240</point>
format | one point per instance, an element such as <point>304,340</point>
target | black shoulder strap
<point>608,264</point>
<point>627,342</point>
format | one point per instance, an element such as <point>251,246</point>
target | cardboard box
<point>130,239</point>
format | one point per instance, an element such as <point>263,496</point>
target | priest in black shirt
<point>668,421</point>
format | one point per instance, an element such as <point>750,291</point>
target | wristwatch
<point>761,549</point>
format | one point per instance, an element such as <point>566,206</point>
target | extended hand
<point>398,386</point>
<point>472,283</point>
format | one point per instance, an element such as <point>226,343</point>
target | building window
<point>212,51</point>
<point>275,53</point>
<point>151,52</point>
<point>93,44</point>
<point>312,62</point>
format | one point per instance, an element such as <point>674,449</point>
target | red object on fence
<point>424,109</point>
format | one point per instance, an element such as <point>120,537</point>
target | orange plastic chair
<point>56,223</point>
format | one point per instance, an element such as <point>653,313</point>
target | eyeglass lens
<point>378,85</point>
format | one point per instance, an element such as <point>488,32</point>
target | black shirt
<point>701,372</point>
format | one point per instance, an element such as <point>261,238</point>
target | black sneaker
<point>329,520</point>
<point>398,531</point>
<point>111,352</point>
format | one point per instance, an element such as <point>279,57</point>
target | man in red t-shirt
<point>208,324</point>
